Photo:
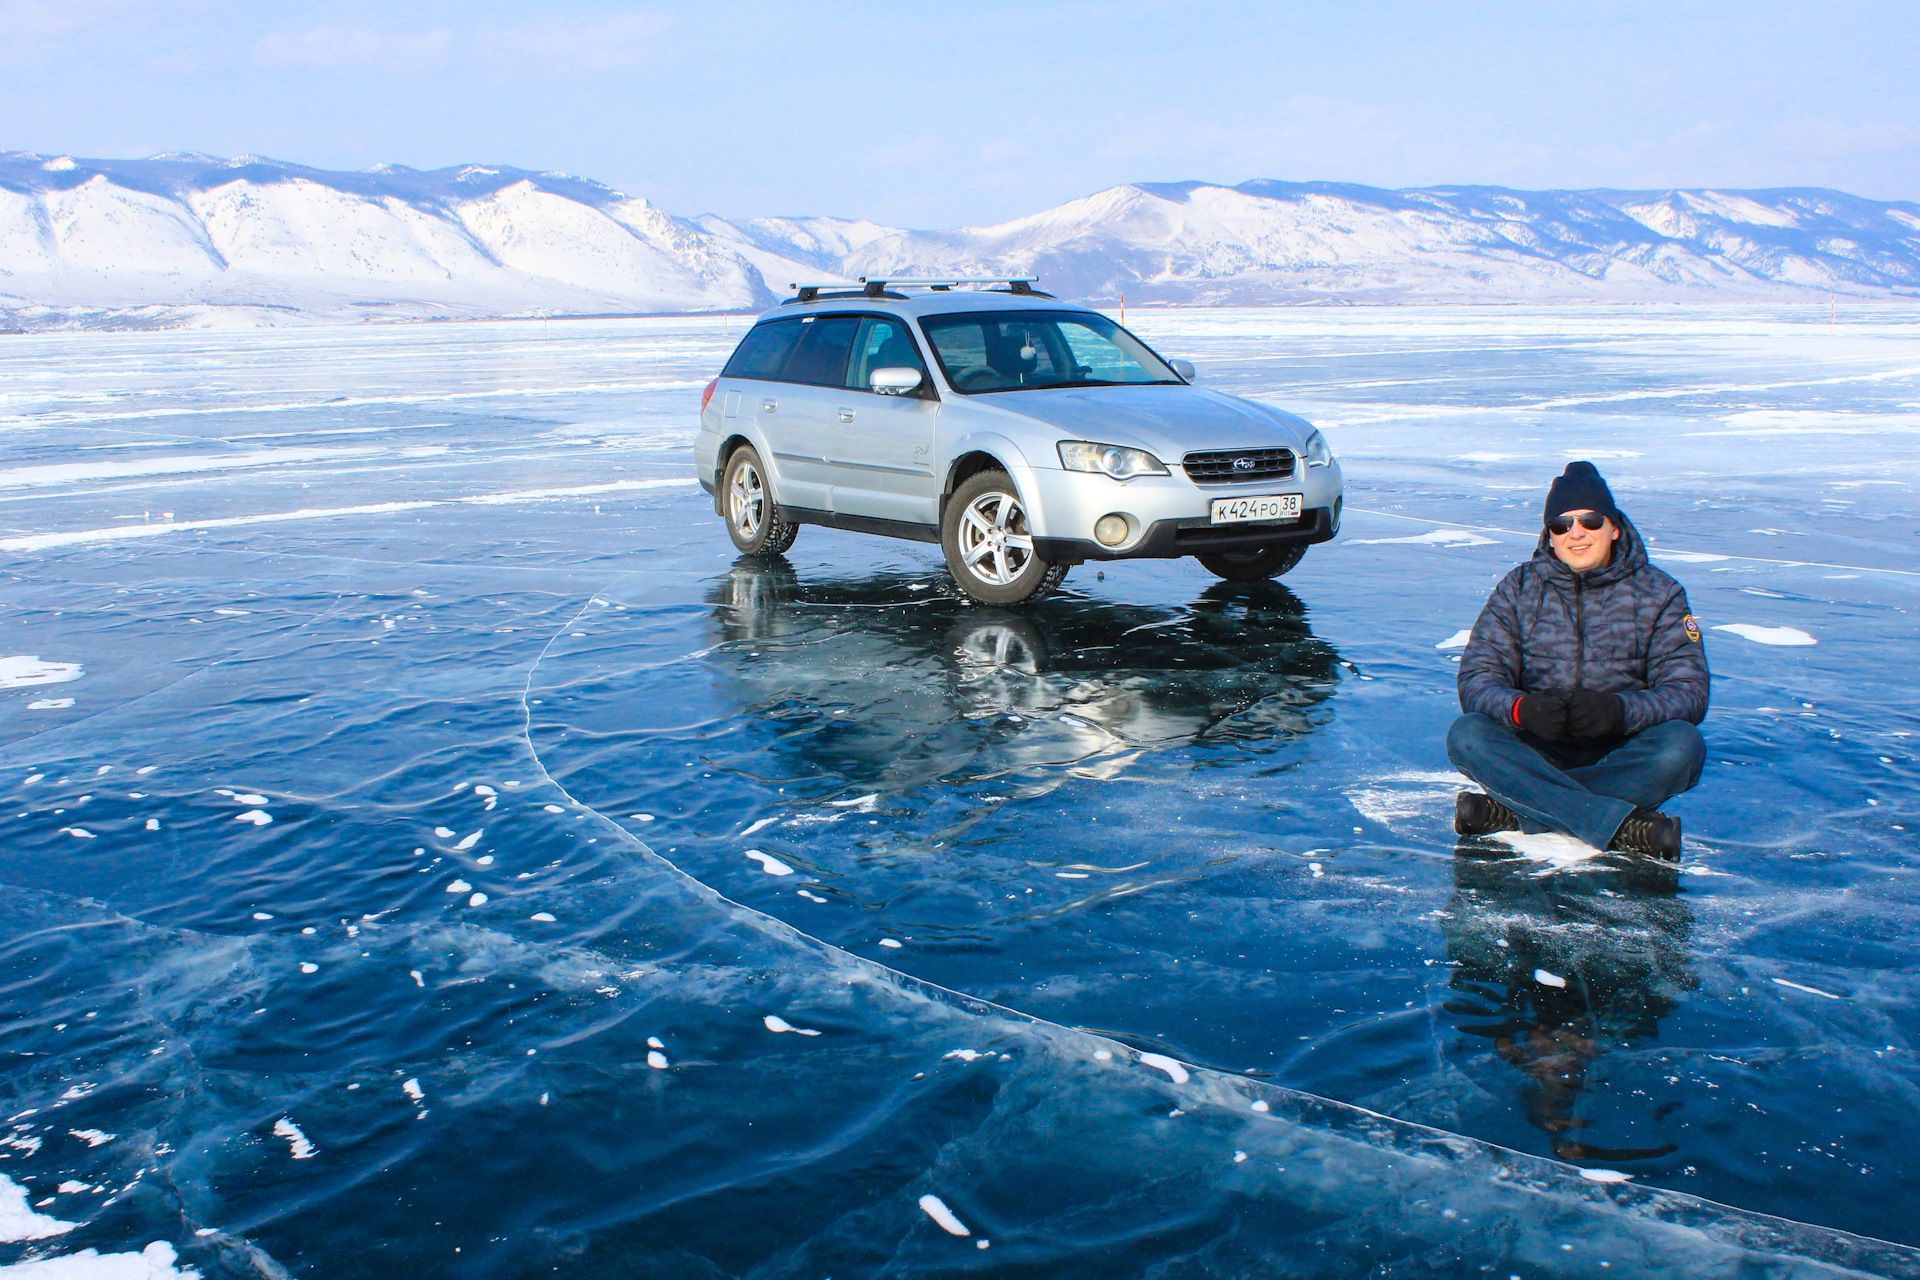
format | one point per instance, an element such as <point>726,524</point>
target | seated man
<point>1582,685</point>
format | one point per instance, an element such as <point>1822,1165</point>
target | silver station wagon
<point>1023,435</point>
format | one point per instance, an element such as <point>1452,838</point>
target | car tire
<point>989,543</point>
<point>746,499</point>
<point>1252,566</point>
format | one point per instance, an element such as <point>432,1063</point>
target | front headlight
<point>1317,453</point>
<point>1113,460</point>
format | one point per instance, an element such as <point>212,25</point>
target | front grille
<point>1238,466</point>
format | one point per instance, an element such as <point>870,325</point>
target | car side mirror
<point>894,382</point>
<point>1182,367</point>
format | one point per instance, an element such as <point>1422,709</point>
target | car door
<point>805,406</point>
<point>881,446</point>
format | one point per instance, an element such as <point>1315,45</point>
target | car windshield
<point>985,351</point>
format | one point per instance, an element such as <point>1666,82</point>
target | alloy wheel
<point>746,500</point>
<point>994,543</point>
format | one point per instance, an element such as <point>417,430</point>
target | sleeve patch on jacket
<point>1693,628</point>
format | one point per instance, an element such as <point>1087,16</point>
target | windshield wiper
<point>1078,382</point>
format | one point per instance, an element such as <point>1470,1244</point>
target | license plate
<point>1282,506</point>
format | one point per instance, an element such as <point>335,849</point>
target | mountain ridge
<point>185,237</point>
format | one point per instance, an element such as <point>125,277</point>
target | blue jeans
<point>1585,789</point>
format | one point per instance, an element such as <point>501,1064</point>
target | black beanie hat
<point>1580,488</point>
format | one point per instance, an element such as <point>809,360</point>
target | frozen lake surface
<point>431,851</point>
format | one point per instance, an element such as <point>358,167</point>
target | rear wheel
<point>1251,566</point>
<point>753,518</point>
<point>988,541</point>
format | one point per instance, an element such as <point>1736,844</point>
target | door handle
<point>768,406</point>
<point>846,415</point>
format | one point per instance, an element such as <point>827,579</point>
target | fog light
<point>1110,530</point>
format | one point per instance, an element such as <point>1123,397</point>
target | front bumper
<point>1168,514</point>
<point>1173,538</point>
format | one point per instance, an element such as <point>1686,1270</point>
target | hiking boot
<point>1649,831</point>
<point>1475,814</point>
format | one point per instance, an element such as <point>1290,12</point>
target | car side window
<point>882,344</point>
<point>820,358</point>
<point>763,351</point>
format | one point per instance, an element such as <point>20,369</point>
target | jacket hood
<point>1629,556</point>
<point>1167,421</point>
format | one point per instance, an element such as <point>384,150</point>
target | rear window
<point>764,350</point>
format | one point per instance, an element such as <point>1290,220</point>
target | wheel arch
<point>977,453</point>
<point>728,447</point>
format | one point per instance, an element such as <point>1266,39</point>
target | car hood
<point>1167,421</point>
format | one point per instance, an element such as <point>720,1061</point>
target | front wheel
<point>988,541</point>
<point>753,518</point>
<point>1252,566</point>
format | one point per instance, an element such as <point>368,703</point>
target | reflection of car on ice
<point>897,689</point>
<point>1022,435</point>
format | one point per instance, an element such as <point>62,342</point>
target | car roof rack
<point>1020,287</point>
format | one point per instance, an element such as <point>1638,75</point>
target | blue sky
<point>972,111</point>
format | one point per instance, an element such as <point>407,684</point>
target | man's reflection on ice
<point>1557,970</point>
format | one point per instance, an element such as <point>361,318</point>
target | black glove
<point>1595,715</point>
<point>1544,714</point>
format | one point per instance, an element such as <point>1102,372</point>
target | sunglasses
<point>1563,525</point>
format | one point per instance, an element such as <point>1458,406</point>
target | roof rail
<point>816,292</point>
<point>1021,286</point>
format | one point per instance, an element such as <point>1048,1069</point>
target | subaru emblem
<point>1243,464</point>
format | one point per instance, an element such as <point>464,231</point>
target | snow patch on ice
<point>1767,635</point>
<point>1433,538</point>
<point>21,670</point>
<point>155,1262</point>
<point>1688,557</point>
<point>1409,794</point>
<point>776,1023</point>
<point>936,1208</point>
<point>296,1140</point>
<point>1160,1061</point>
<point>49,704</point>
<point>770,864</point>
<point>1550,847</point>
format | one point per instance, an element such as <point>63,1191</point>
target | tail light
<point>708,394</point>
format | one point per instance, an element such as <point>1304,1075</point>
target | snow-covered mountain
<point>187,238</point>
<point>1275,242</point>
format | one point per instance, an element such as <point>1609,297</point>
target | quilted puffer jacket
<point>1622,628</point>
